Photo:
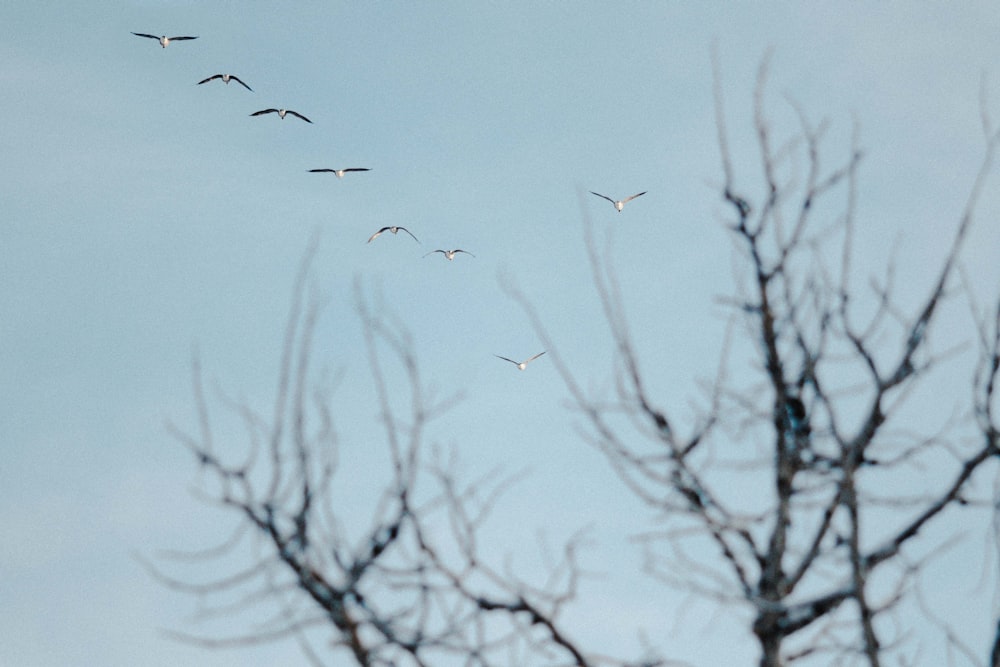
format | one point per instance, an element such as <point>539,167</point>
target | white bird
<point>619,204</point>
<point>339,173</point>
<point>521,365</point>
<point>394,229</point>
<point>450,254</point>
<point>226,78</point>
<point>281,113</point>
<point>162,40</point>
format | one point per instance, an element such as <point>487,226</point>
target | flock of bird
<point>450,255</point>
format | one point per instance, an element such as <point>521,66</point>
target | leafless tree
<point>412,587</point>
<point>815,430</point>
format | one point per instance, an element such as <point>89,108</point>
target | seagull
<point>338,172</point>
<point>226,78</point>
<point>520,365</point>
<point>620,204</point>
<point>162,40</point>
<point>449,254</point>
<point>395,229</point>
<point>281,113</point>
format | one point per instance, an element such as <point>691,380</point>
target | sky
<point>146,219</point>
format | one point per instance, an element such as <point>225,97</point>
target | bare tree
<point>825,451</point>
<point>815,429</point>
<point>411,589</point>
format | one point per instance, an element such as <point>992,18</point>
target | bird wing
<point>603,196</point>
<point>177,39</point>
<point>264,111</point>
<point>534,357</point>
<point>317,171</point>
<point>217,76</point>
<point>296,113</point>
<point>506,359</point>
<point>409,232</point>
<point>372,237</point>
<point>434,251</point>
<point>237,80</point>
<point>356,169</point>
<point>634,196</point>
<point>465,251</point>
<point>142,34</point>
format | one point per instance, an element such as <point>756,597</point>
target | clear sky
<point>143,216</point>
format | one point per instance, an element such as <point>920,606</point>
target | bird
<point>162,40</point>
<point>619,204</point>
<point>226,78</point>
<point>450,254</point>
<point>339,173</point>
<point>522,364</point>
<point>798,419</point>
<point>281,112</point>
<point>394,229</point>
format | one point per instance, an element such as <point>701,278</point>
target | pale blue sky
<point>143,216</point>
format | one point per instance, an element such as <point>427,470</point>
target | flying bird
<point>450,254</point>
<point>162,40</point>
<point>394,229</point>
<point>338,172</point>
<point>619,204</point>
<point>226,78</point>
<point>521,365</point>
<point>281,112</point>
